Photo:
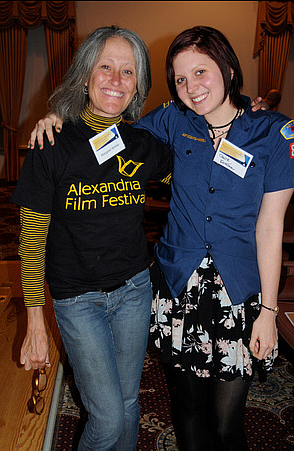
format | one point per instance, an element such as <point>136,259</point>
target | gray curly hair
<point>69,99</point>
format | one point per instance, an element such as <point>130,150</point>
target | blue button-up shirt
<point>212,209</point>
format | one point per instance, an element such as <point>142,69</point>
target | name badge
<point>107,144</point>
<point>233,158</point>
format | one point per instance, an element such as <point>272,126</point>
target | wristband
<point>275,309</point>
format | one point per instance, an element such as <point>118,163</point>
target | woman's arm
<point>269,234</point>
<point>34,229</point>
<point>51,120</point>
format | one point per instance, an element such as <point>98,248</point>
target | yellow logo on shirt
<point>112,194</point>
<point>81,197</point>
<point>130,165</point>
<point>185,135</point>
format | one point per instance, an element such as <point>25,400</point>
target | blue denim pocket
<point>65,302</point>
<point>140,280</point>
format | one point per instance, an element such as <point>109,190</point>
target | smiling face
<point>200,85</point>
<point>112,84</point>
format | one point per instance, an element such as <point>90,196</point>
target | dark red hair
<point>214,44</point>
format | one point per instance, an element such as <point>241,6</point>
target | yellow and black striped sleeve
<point>167,179</point>
<point>32,248</point>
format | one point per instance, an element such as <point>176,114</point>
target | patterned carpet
<point>269,420</point>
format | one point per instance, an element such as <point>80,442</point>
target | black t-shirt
<point>96,239</point>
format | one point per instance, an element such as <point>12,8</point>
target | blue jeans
<point>105,337</point>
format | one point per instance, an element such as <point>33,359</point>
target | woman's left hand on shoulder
<point>258,104</point>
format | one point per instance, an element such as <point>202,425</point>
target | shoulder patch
<point>167,104</point>
<point>288,130</point>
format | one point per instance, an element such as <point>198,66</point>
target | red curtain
<point>61,38</point>
<point>58,18</point>
<point>274,28</point>
<point>13,52</point>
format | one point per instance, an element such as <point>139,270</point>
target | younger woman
<point>219,259</point>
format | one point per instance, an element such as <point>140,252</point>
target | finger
<point>264,352</point>
<point>31,141</point>
<point>254,343</point>
<point>49,133</point>
<point>254,346</point>
<point>47,361</point>
<point>58,125</point>
<point>25,361</point>
<point>28,365</point>
<point>22,360</point>
<point>40,128</point>
<point>261,355</point>
<point>40,138</point>
<point>257,103</point>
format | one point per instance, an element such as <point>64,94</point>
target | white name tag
<point>107,144</point>
<point>233,158</point>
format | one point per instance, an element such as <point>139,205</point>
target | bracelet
<point>275,309</point>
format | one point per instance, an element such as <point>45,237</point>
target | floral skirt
<point>201,330</point>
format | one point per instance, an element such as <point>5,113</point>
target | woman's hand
<point>45,125</point>
<point>264,334</point>
<point>35,348</point>
<point>258,104</point>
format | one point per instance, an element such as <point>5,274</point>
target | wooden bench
<point>19,428</point>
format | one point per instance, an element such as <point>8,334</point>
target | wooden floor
<point>19,428</point>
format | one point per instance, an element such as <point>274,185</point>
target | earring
<point>86,90</point>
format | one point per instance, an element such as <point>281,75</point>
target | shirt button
<point>211,190</point>
<point>208,218</point>
<point>208,246</point>
<point>252,164</point>
<point>188,152</point>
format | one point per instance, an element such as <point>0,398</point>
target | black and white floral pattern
<point>201,330</point>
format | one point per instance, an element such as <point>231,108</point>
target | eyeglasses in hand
<point>39,385</point>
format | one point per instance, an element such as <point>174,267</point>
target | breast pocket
<point>243,191</point>
<point>188,161</point>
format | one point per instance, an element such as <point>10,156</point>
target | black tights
<point>209,409</point>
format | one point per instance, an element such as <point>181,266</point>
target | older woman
<point>82,200</point>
